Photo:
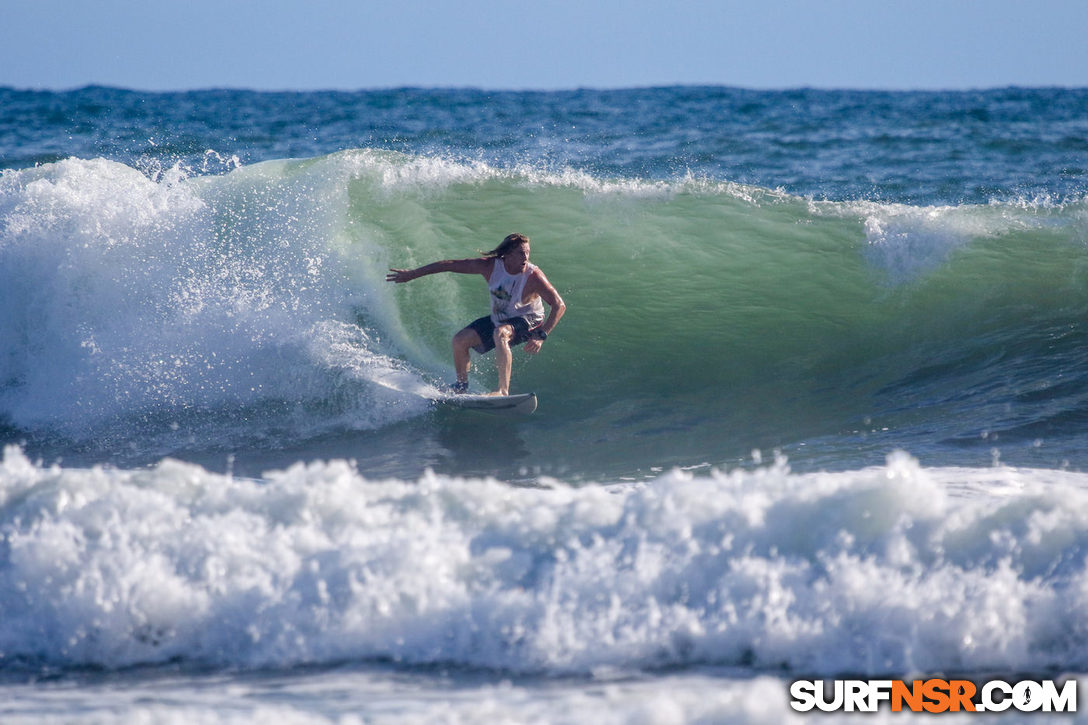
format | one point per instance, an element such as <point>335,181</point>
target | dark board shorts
<point>485,328</point>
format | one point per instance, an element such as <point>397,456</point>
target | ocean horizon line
<point>542,89</point>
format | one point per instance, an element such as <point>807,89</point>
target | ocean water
<point>817,407</point>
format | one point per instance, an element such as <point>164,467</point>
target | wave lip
<point>890,569</point>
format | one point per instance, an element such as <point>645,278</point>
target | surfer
<point>518,291</point>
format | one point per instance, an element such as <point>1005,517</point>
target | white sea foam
<point>907,242</point>
<point>397,173</point>
<point>125,296</point>
<point>889,569</point>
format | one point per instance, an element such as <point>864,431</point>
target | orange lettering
<point>962,691</point>
<point>935,691</point>
<point>911,695</point>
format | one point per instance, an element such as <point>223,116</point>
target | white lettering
<point>856,695</point>
<point>1064,701</point>
<point>1027,696</point>
<point>988,702</point>
<point>803,693</point>
<point>836,701</point>
<point>879,691</point>
<point>994,696</point>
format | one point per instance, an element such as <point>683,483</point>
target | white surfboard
<point>514,405</point>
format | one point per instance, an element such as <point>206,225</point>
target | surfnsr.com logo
<point>933,695</point>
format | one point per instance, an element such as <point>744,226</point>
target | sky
<point>543,44</point>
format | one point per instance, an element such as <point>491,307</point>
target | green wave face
<point>711,318</point>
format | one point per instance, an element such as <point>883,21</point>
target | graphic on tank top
<point>506,291</point>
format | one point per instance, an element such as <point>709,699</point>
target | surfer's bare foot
<point>498,392</point>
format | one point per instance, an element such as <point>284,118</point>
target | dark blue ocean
<point>817,406</point>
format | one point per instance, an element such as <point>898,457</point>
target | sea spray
<point>132,302</point>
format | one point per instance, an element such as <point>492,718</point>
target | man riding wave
<point>518,292</point>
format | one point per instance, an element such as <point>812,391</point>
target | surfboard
<point>513,405</point>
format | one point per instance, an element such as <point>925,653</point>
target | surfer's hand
<point>399,276</point>
<point>533,346</point>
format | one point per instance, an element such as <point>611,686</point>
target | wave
<point>169,310</point>
<point>137,305</point>
<point>891,569</point>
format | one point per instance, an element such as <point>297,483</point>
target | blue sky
<point>277,44</point>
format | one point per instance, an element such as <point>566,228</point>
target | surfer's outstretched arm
<point>481,265</point>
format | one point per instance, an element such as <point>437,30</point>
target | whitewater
<point>815,410</point>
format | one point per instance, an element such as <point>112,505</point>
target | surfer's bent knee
<point>466,338</point>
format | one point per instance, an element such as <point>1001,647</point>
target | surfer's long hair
<point>509,243</point>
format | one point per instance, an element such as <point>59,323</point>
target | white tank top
<point>506,291</point>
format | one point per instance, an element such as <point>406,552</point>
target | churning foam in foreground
<point>890,569</point>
